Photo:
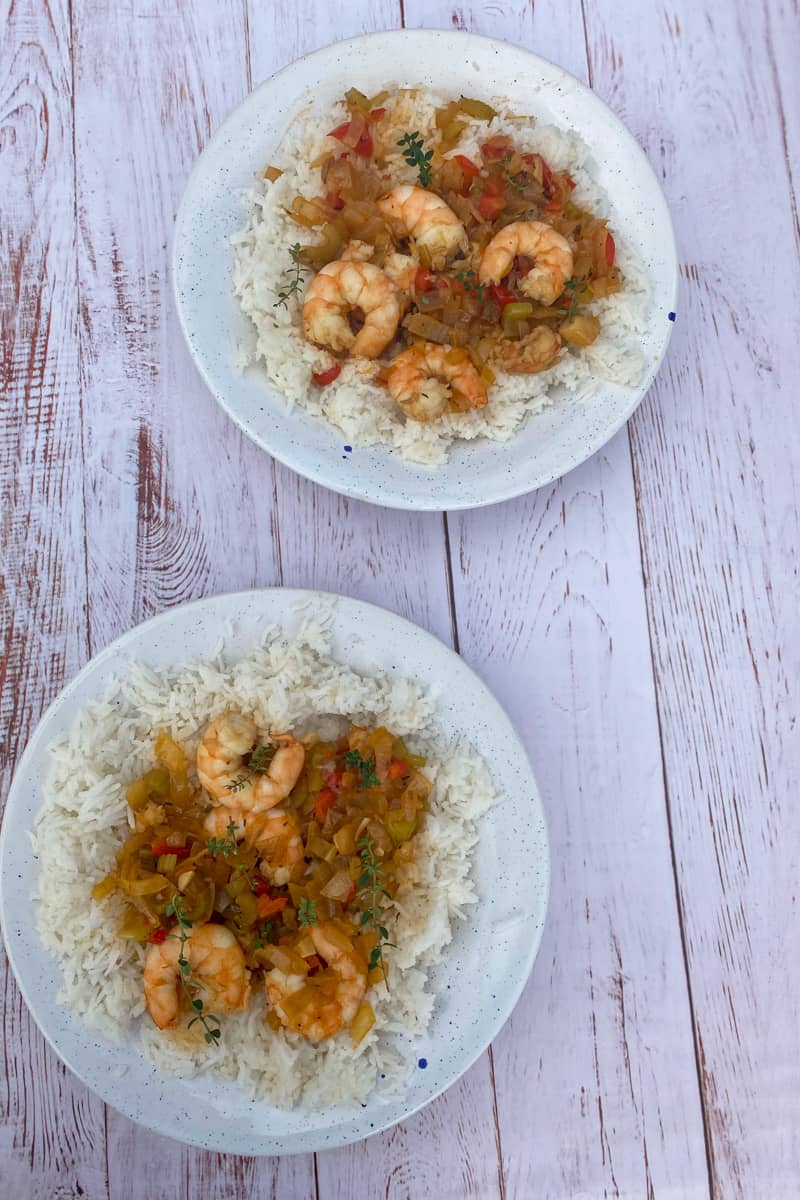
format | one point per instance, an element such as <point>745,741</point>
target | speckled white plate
<point>479,472</point>
<point>484,968</point>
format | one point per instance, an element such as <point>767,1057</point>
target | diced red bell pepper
<point>270,906</point>
<point>322,378</point>
<point>261,887</point>
<point>314,963</point>
<point>334,780</point>
<point>491,206</point>
<point>364,146</point>
<point>611,249</point>
<point>423,280</point>
<point>496,148</point>
<point>397,769</point>
<point>180,852</point>
<point>501,294</point>
<point>325,800</point>
<point>494,185</point>
<point>469,168</point>
<point>158,936</point>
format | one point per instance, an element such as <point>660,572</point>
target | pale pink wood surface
<point>636,619</point>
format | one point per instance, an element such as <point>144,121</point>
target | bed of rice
<point>285,683</point>
<point>361,410</point>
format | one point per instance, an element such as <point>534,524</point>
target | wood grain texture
<point>52,1138</point>
<point>179,504</point>
<point>715,455</point>
<point>550,609</point>
<point>659,706</point>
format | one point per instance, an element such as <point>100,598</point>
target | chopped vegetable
<point>362,1022</point>
<point>501,294</point>
<point>323,378</point>
<point>491,206</point>
<point>268,906</point>
<point>469,168</point>
<point>580,330</point>
<point>477,109</point>
<point>165,847</point>
<point>324,801</point>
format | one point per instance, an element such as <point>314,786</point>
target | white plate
<point>484,969</point>
<point>479,472</point>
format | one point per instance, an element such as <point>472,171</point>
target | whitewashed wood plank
<point>179,503</point>
<point>398,560</point>
<point>176,495</point>
<point>715,453</point>
<point>595,1074</point>
<point>52,1138</point>
<point>782,37</point>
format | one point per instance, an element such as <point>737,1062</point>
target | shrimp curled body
<point>217,968</point>
<point>274,834</point>
<point>221,769</point>
<point>332,1004</point>
<point>425,218</point>
<point>425,380</point>
<point>551,254</point>
<point>341,288</point>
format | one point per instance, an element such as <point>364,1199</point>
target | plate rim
<point>303,596</point>
<point>523,487</point>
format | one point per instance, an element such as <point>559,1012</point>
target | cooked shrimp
<point>274,834</point>
<point>401,269</point>
<point>221,770</point>
<point>537,351</point>
<point>356,251</point>
<point>342,288</point>
<point>426,380</point>
<point>217,968</point>
<point>327,1005</point>
<point>427,220</point>
<point>551,254</point>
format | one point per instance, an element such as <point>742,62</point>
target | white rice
<point>364,412</point>
<point>84,820</point>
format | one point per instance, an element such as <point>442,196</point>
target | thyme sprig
<point>210,1022</point>
<point>370,890</point>
<point>261,758</point>
<point>237,785</point>
<point>263,936</point>
<point>365,767</point>
<point>416,155</point>
<point>577,289</point>
<point>295,273</point>
<point>228,847</point>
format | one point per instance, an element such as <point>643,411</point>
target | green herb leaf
<point>364,766</point>
<point>237,785</point>
<point>371,887</point>
<point>261,758</point>
<point>209,1022</point>
<point>307,911</point>
<point>416,156</point>
<point>295,277</point>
